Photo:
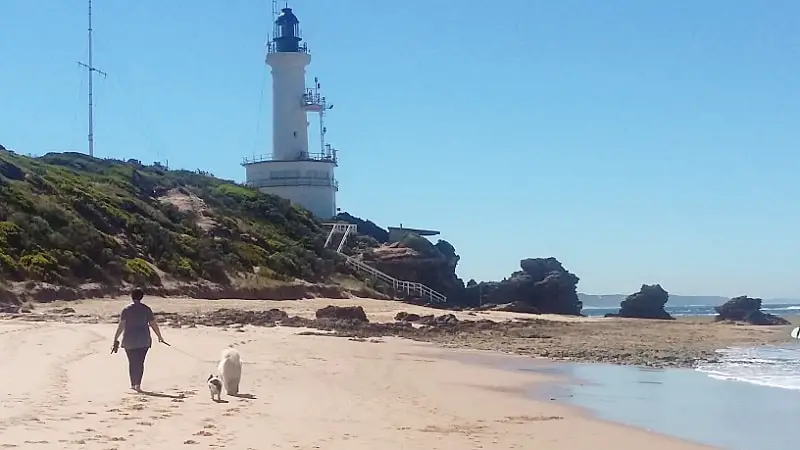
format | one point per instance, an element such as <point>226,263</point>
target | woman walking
<point>135,322</point>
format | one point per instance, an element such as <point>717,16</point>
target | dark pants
<point>136,364</point>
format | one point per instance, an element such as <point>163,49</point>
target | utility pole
<point>91,69</point>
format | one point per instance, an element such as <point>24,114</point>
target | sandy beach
<point>653,343</point>
<point>64,390</point>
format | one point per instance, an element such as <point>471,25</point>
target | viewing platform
<point>327,156</point>
<point>396,234</point>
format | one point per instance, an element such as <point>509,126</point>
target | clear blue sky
<point>637,142</point>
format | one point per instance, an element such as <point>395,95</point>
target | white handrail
<point>398,285</point>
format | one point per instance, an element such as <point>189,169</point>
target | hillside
<point>69,219</point>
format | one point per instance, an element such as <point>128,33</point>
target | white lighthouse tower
<point>292,172</point>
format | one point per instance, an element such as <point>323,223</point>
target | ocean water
<point>684,403</point>
<point>780,309</point>
<point>775,366</point>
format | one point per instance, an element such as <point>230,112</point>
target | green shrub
<point>251,255</point>
<point>8,267</point>
<point>67,217</point>
<point>40,266</point>
<point>420,244</point>
<point>139,271</point>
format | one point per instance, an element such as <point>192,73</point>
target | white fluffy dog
<point>230,370</point>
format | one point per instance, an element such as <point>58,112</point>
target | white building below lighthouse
<point>291,171</point>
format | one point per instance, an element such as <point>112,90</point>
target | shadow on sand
<point>161,394</point>
<point>246,396</point>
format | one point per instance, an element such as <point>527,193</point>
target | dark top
<point>137,317</point>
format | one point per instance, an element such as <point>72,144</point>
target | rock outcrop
<point>648,303</point>
<point>417,259</point>
<point>364,227</point>
<point>543,285</point>
<point>748,310</point>
<point>517,307</point>
<point>429,319</point>
<point>355,313</point>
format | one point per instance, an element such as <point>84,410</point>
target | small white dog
<point>230,370</point>
<point>215,387</point>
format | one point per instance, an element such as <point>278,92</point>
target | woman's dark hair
<point>137,294</point>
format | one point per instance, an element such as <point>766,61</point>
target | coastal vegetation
<point>68,219</point>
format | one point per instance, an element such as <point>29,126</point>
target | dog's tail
<point>232,354</point>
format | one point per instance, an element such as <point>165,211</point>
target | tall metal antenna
<point>91,69</point>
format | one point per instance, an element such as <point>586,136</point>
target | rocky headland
<point>647,303</point>
<point>747,310</point>
<point>542,285</point>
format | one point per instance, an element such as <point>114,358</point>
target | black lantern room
<point>287,32</point>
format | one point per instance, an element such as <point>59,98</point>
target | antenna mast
<point>91,69</point>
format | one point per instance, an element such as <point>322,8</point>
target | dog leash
<point>189,354</point>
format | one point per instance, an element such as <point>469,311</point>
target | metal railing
<point>255,159</point>
<point>272,47</point>
<point>409,287</point>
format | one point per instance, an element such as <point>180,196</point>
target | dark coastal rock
<point>648,303</point>
<point>748,310</point>
<point>542,286</point>
<point>429,320</point>
<point>517,307</point>
<point>355,313</point>
<point>403,316</point>
<point>417,259</point>
<point>444,319</point>
<point>364,227</point>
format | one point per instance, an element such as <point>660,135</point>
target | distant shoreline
<point>679,301</point>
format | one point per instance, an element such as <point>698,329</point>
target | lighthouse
<point>292,171</point>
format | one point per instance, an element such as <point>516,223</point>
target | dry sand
<point>64,390</point>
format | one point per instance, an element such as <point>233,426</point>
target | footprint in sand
<point>204,433</point>
<point>230,412</point>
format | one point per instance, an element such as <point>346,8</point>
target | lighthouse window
<point>284,174</point>
<point>317,174</point>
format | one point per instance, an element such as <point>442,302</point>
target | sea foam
<point>774,366</point>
